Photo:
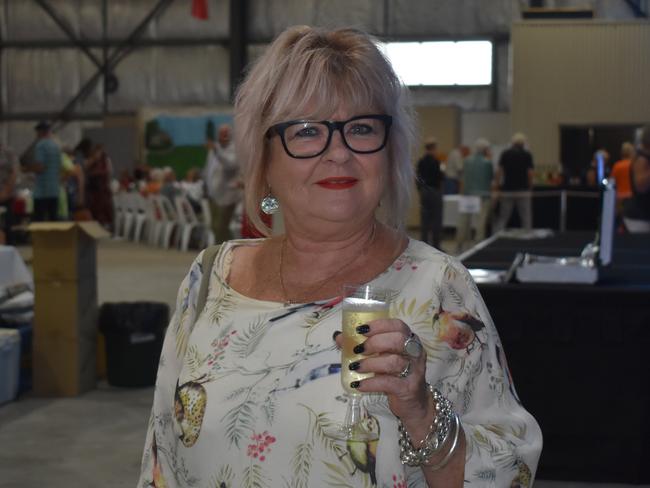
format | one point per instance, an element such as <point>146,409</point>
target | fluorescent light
<point>441,63</point>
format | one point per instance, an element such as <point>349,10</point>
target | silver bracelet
<point>436,436</point>
<point>452,449</point>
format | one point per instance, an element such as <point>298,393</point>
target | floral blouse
<point>246,390</point>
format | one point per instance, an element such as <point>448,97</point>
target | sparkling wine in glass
<point>361,304</point>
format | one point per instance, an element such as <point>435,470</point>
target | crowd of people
<point>504,184</point>
<point>65,183</point>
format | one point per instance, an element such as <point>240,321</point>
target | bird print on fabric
<point>364,453</point>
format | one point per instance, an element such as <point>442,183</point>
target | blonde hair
<point>310,72</point>
<point>627,150</point>
<point>519,139</point>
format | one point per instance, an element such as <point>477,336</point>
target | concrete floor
<point>96,439</point>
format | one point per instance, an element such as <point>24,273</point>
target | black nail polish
<point>355,384</point>
<point>363,329</point>
<point>358,349</point>
<point>336,334</point>
<point>354,366</point>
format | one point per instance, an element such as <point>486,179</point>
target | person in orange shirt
<point>621,172</point>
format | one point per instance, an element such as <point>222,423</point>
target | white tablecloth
<point>450,211</point>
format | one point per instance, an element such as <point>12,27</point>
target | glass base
<point>355,432</point>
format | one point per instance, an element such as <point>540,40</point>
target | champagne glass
<point>360,305</point>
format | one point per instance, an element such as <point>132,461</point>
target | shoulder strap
<point>209,255</point>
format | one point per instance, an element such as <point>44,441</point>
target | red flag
<point>200,9</point>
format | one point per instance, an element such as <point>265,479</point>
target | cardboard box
<point>65,308</point>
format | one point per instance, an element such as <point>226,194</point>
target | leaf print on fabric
<point>223,479</point>
<point>503,451</point>
<point>246,342</point>
<point>181,333</point>
<point>177,467</point>
<point>219,306</point>
<point>194,360</point>
<point>301,463</point>
<point>239,420</point>
<point>268,405</point>
<point>253,477</point>
<point>337,476</point>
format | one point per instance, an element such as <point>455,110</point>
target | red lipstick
<point>337,183</point>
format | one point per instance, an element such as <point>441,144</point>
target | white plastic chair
<point>206,219</point>
<point>118,210</point>
<point>188,221</point>
<point>144,219</point>
<point>157,220</point>
<point>169,223</point>
<point>130,211</point>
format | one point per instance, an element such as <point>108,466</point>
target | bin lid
<point>9,338</point>
<point>91,228</point>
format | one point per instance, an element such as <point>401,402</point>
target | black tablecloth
<point>580,357</point>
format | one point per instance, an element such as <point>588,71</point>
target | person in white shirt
<point>222,182</point>
<point>192,188</point>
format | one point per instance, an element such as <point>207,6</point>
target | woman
<point>99,170</point>
<point>248,385</point>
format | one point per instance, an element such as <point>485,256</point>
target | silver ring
<point>413,346</point>
<point>406,371</point>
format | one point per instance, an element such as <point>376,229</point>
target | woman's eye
<point>306,131</point>
<point>360,129</point>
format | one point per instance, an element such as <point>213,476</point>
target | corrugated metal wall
<point>577,73</point>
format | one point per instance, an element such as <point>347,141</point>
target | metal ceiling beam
<point>238,42</point>
<point>68,31</point>
<point>637,9</point>
<point>112,43</point>
<point>123,49</point>
<point>45,115</point>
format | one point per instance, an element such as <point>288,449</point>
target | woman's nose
<point>337,151</point>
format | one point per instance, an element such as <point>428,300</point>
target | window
<point>441,63</point>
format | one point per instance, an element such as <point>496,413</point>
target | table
<point>579,357</point>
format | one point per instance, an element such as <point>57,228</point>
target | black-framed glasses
<point>363,134</point>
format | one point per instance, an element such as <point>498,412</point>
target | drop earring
<point>269,204</point>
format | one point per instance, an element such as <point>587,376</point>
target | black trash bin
<point>134,335</point>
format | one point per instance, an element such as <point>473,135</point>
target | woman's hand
<point>406,390</point>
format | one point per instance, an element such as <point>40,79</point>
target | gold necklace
<point>292,301</point>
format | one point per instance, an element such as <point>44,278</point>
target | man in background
<point>47,167</point>
<point>222,182</point>
<point>430,185</point>
<point>515,175</point>
<point>8,174</point>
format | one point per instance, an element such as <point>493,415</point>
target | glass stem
<point>353,415</point>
